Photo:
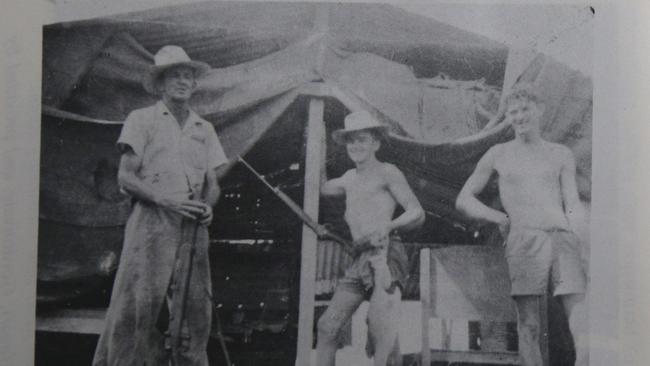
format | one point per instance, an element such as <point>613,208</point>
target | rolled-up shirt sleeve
<point>216,155</point>
<point>133,135</point>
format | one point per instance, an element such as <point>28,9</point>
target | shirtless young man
<point>372,192</point>
<point>545,222</point>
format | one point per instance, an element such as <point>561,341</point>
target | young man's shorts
<point>534,255</point>
<point>359,276</point>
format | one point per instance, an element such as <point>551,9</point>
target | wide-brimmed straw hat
<point>358,121</point>
<point>167,57</point>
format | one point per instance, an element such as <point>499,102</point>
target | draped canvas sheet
<point>231,33</point>
<point>244,100</point>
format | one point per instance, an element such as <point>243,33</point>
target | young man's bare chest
<point>528,167</point>
<point>530,186</point>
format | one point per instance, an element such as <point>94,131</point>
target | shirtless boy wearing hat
<point>372,190</point>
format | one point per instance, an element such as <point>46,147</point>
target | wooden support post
<point>315,144</point>
<point>425,300</point>
<point>543,318</point>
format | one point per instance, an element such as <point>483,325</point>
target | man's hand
<point>206,217</point>
<point>192,209</point>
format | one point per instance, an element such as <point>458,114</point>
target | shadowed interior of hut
<point>255,248</point>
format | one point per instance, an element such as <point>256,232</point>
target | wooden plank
<point>54,112</point>
<point>446,327</point>
<point>82,321</point>
<point>425,300</point>
<point>315,144</point>
<point>500,358</point>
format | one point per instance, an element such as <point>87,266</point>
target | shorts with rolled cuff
<point>359,278</point>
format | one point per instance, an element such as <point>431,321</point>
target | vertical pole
<point>321,25</point>
<point>543,319</point>
<point>315,144</point>
<point>425,300</point>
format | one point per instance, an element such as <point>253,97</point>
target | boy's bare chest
<point>365,188</point>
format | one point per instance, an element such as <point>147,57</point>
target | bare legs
<point>383,325</point>
<point>576,312</point>
<point>339,311</point>
<point>528,327</point>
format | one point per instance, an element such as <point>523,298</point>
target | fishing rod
<point>320,230</point>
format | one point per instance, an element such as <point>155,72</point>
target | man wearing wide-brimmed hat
<point>372,190</point>
<point>168,165</point>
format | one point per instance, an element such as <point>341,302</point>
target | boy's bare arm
<point>469,205</point>
<point>332,187</point>
<point>413,215</point>
<point>573,207</point>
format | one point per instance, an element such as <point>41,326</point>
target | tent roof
<point>92,71</point>
<point>224,34</point>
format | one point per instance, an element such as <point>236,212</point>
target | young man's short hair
<point>523,92</point>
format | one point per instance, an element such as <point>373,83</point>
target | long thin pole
<point>425,301</point>
<point>220,335</point>
<point>320,230</point>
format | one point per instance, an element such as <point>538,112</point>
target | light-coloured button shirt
<point>172,160</point>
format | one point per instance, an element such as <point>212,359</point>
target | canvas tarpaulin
<point>244,100</point>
